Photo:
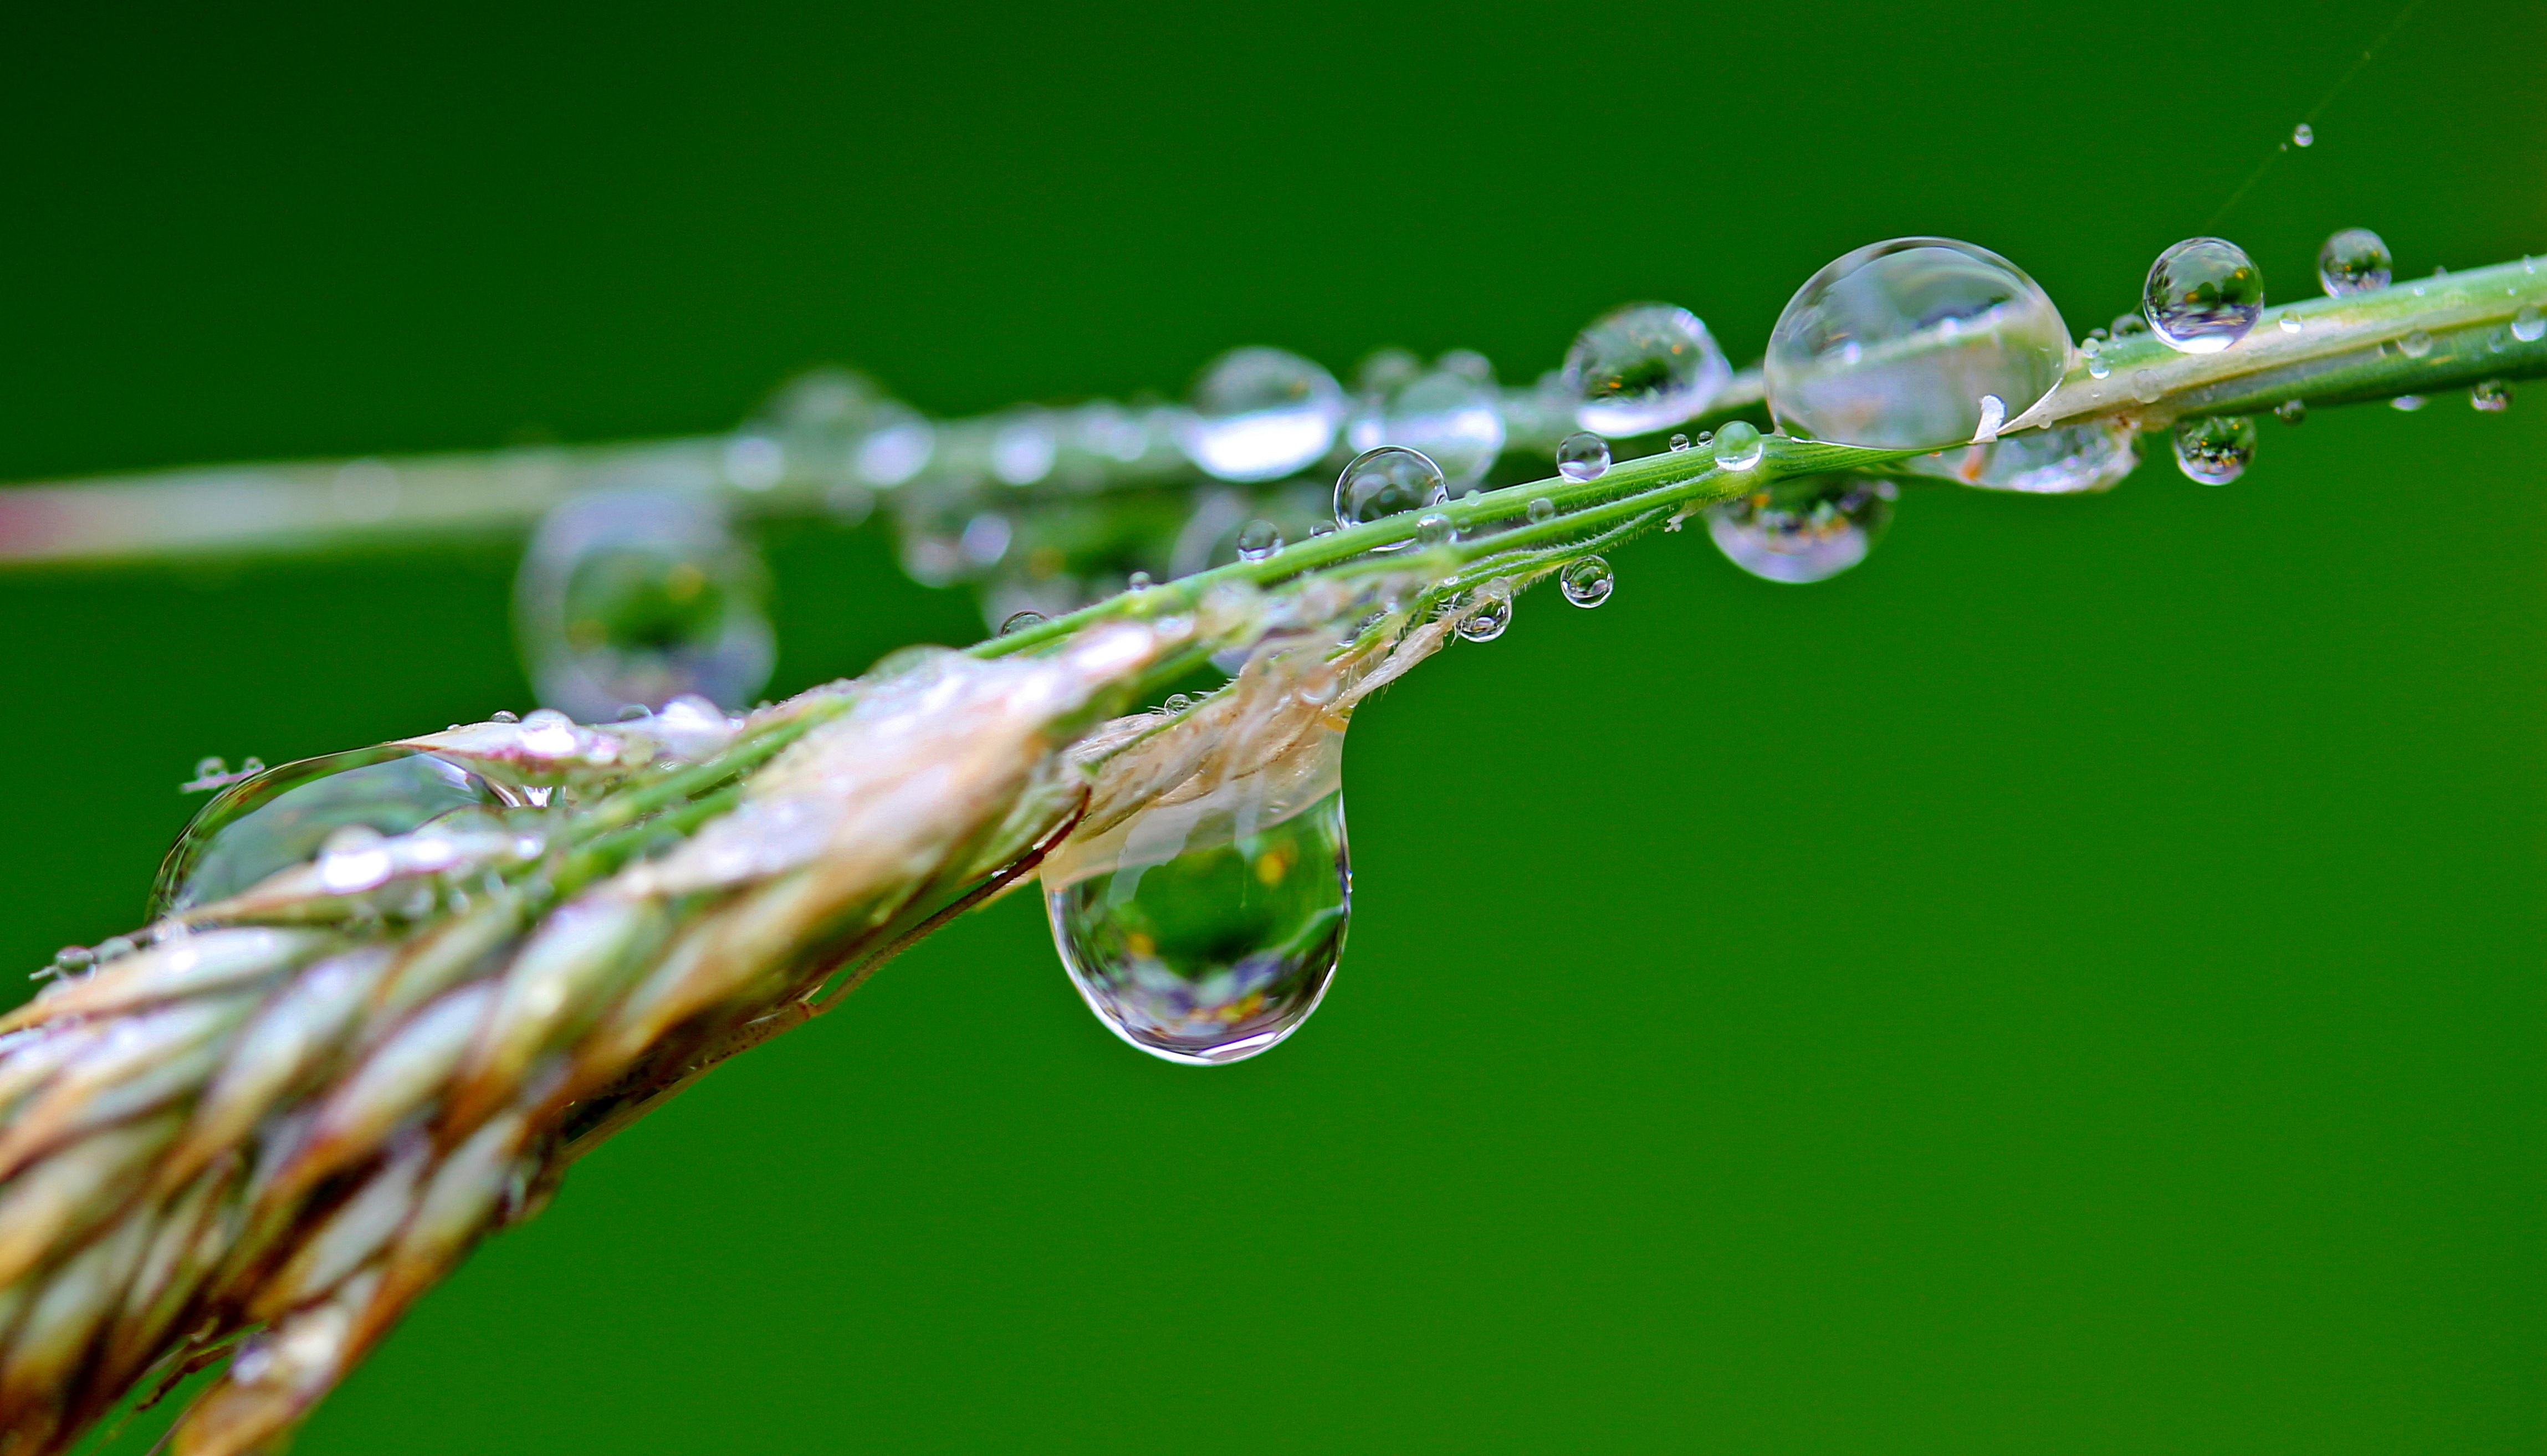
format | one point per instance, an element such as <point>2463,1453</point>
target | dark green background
<point>2072,985</point>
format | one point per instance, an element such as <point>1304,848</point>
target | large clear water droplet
<point>2062,459</point>
<point>1258,540</point>
<point>1737,445</point>
<point>638,597</point>
<point>1390,480</point>
<point>2203,294</point>
<point>1807,530</point>
<point>1213,927</point>
<point>2215,450</point>
<point>2353,261</point>
<point>284,815</point>
<point>1896,345</point>
<point>1582,455</point>
<point>1259,415</point>
<point>1641,367</point>
<point>1587,582</point>
<point>1455,419</point>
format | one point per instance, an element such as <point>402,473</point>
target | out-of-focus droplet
<point>2303,135</point>
<point>2203,294</point>
<point>1467,364</point>
<point>1484,614</point>
<point>1178,701</point>
<point>1390,480</point>
<point>2145,387</point>
<point>2129,325</point>
<point>1457,421</point>
<point>2416,344</point>
<point>1641,367</point>
<point>2408,402</point>
<point>2215,450</point>
<point>2353,261</point>
<point>2528,324</point>
<point>2493,396</point>
<point>1737,445</point>
<point>283,817</point>
<point>1023,448</point>
<point>1896,345</point>
<point>640,596</point>
<point>1541,510</point>
<point>1582,455</point>
<point>2061,459</point>
<point>2291,411</point>
<point>1020,621</point>
<point>1259,415</point>
<point>1587,582</point>
<point>1433,529</point>
<point>1799,531</point>
<point>2289,323</point>
<point>2098,366</point>
<point>1213,930</point>
<point>211,767</point>
<point>1258,540</point>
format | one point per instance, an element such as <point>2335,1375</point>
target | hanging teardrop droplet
<point>2492,396</point>
<point>2216,449</point>
<point>1484,614</point>
<point>1210,929</point>
<point>1587,582</point>
<point>2203,295</point>
<point>1801,531</point>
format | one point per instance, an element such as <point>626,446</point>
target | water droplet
<point>1584,456</point>
<point>2203,294</point>
<point>2416,344</point>
<point>640,596</point>
<point>1020,621</point>
<point>1467,364</point>
<point>211,768</point>
<point>1738,446</point>
<point>2145,387</point>
<point>2407,402</point>
<point>1259,415</point>
<point>2215,450</point>
<point>504,715</point>
<point>1258,540</point>
<point>1707,437</point>
<point>2291,411</point>
<point>1433,529</point>
<point>1023,449</point>
<point>2528,324</point>
<point>1799,531</point>
<point>1896,345</point>
<point>1456,420</point>
<point>1679,440</point>
<point>1587,582</point>
<point>1178,702</point>
<point>1388,482</point>
<point>284,817</point>
<point>1215,932</point>
<point>1483,614</point>
<point>2303,135</point>
<point>1642,368</point>
<point>2491,396</point>
<point>2098,367</point>
<point>2128,325</point>
<point>1993,415</point>
<point>1541,510</point>
<point>2353,261</point>
<point>2064,460</point>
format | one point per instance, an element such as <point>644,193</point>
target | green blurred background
<point>2070,984</point>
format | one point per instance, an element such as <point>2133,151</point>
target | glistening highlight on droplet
<point>2215,450</point>
<point>2353,261</point>
<point>1641,367</point>
<point>2203,295</point>
<point>1259,415</point>
<point>1897,345</point>
<point>1390,480</point>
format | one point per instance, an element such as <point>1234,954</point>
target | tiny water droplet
<point>1677,441</point>
<point>1139,581</point>
<point>1583,456</point>
<point>1895,344</point>
<point>2408,402</point>
<point>211,768</point>
<point>2145,387</point>
<point>640,596</point>
<point>1801,531</point>
<point>2493,396</point>
<point>1020,621</point>
<point>1707,437</point>
<point>1541,510</point>
<point>1484,614</point>
<point>1433,529</point>
<point>1738,446</point>
<point>1178,702</point>
<point>2203,294</point>
<point>504,715</point>
<point>2291,411</point>
<point>2303,135</point>
<point>2127,326</point>
<point>1216,930</point>
<point>1587,582</point>
<point>1258,540</point>
<point>281,819</point>
<point>1259,415</point>
<point>1643,367</point>
<point>2528,324</point>
<point>2098,367</point>
<point>2416,344</point>
<point>2215,450</point>
<point>2353,261</point>
<point>1388,482</point>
